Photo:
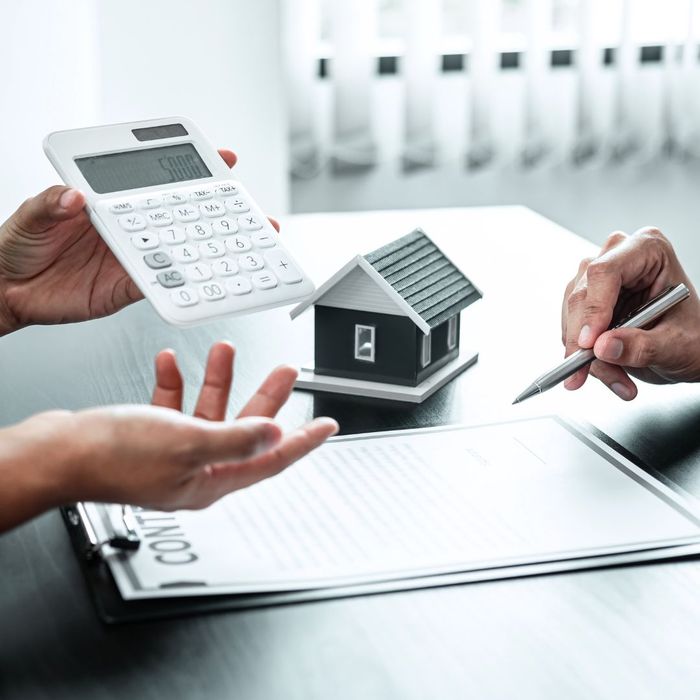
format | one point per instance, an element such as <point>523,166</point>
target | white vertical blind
<point>537,67</point>
<point>588,109</point>
<point>420,70</point>
<point>353,66</point>
<point>587,139</point>
<point>681,110</point>
<point>301,34</point>
<point>624,139</point>
<point>482,67</point>
<point>690,82</point>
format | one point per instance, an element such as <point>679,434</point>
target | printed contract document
<point>407,505</point>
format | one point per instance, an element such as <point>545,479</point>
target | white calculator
<point>193,240</point>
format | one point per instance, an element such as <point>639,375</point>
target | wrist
<point>38,467</point>
<point>8,322</point>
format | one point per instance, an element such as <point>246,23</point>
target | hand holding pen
<point>628,272</point>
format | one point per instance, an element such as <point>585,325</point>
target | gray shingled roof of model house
<point>424,277</point>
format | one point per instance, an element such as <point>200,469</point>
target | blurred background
<point>585,110</point>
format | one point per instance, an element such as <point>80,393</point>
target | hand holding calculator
<point>193,240</point>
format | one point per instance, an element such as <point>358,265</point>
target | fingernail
<point>622,390</point>
<point>568,384</point>
<point>585,337</point>
<point>612,349</point>
<point>67,199</point>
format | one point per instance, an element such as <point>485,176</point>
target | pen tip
<point>514,402</point>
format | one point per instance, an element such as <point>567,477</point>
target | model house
<point>390,316</point>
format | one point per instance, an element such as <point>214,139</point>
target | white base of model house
<point>379,390</point>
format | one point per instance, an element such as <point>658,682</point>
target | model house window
<point>452,333</point>
<point>425,350</point>
<point>364,343</point>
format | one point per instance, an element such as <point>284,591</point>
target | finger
<point>216,441</point>
<point>216,388</point>
<point>229,157</point>
<point>633,347</point>
<point>577,380</point>
<point>292,448</point>
<point>613,240</point>
<point>58,203</point>
<point>603,282</point>
<point>272,394</point>
<point>275,223</point>
<point>169,387</point>
<point>640,262</point>
<point>583,266</point>
<point>615,378</point>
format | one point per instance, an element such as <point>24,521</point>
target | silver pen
<point>639,318</point>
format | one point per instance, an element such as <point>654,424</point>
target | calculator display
<point>127,170</point>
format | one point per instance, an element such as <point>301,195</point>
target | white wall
<point>47,82</point>
<point>217,61</point>
<point>80,62</point>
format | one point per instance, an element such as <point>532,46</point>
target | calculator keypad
<point>204,245</point>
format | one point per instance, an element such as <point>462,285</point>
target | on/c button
<point>157,260</point>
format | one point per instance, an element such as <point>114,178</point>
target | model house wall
<point>398,353</point>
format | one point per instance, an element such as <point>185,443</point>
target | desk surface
<point>627,632</point>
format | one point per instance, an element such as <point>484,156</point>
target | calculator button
<point>226,190</point>
<point>145,241</point>
<point>121,207</point>
<point>185,254</point>
<point>262,239</point>
<point>212,292</point>
<point>132,222</point>
<point>200,194</point>
<point>157,260</point>
<point>150,202</point>
<point>238,244</point>
<point>212,249</point>
<point>198,232</point>
<point>237,205</point>
<point>185,296</point>
<point>212,209</point>
<point>264,280</point>
<point>199,272</point>
<point>239,286</point>
<point>225,267</point>
<point>170,279</point>
<point>159,217</point>
<point>224,226</point>
<point>186,213</point>
<point>250,262</point>
<point>282,266</point>
<point>173,236</point>
<point>249,223</point>
<point>175,198</point>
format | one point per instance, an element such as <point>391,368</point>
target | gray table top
<point>625,632</point>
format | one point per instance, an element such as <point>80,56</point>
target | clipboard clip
<point>125,540</point>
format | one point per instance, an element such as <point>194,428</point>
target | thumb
<point>40,213</point>
<point>633,347</point>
